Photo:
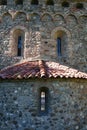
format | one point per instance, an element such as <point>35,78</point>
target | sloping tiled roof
<point>40,69</point>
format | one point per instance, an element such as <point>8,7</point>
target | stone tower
<point>39,25</point>
<point>43,64</point>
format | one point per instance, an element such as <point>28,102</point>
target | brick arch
<point>16,31</point>
<point>60,29</point>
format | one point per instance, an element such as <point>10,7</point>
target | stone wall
<point>41,25</point>
<point>67,105</point>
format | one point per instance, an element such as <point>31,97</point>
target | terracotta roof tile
<point>40,69</point>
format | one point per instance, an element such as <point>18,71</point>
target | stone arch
<point>71,20</point>
<point>46,17</point>
<point>53,33</point>
<point>59,19</point>
<point>6,17</point>
<point>14,33</point>
<point>83,19</point>
<point>20,15</point>
<point>35,17</point>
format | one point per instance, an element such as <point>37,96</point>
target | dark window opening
<point>49,2</point>
<point>34,2</point>
<point>3,2</point>
<point>79,6</point>
<point>59,46</point>
<point>19,2</point>
<point>44,100</point>
<point>19,45</point>
<point>65,4</point>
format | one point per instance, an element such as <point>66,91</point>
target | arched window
<point>3,2</point>
<point>18,43</point>
<point>61,43</point>
<point>44,93</point>
<point>59,46</point>
<point>34,2</point>
<point>19,2</point>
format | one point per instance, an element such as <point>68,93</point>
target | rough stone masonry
<point>40,68</point>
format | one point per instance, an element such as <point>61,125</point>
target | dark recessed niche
<point>49,2</point>
<point>19,2</point>
<point>3,2</point>
<point>34,2</point>
<point>45,42</point>
<point>65,4</point>
<point>79,6</point>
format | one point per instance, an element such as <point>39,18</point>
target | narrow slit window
<point>43,101</point>
<point>19,45</point>
<point>59,46</point>
<point>43,104</point>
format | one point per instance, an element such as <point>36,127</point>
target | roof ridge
<point>42,68</point>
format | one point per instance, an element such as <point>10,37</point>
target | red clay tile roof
<point>40,69</point>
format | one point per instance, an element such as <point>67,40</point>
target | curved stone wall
<point>67,105</point>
